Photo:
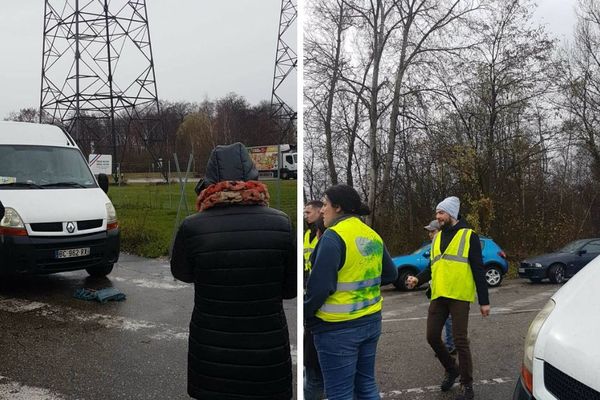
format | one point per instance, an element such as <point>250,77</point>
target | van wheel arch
<point>100,272</point>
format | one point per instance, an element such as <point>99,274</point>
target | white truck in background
<point>274,161</point>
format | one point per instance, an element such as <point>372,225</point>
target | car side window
<point>482,244</point>
<point>592,247</point>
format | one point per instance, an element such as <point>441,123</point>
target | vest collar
<point>341,218</point>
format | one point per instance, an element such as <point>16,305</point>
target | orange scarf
<point>233,192</point>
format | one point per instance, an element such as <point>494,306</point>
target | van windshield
<point>43,167</point>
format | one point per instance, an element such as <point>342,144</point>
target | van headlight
<point>532,333</point>
<point>111,217</point>
<point>12,224</point>
<point>11,219</point>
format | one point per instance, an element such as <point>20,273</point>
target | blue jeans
<point>313,384</point>
<point>448,329</point>
<point>347,358</point>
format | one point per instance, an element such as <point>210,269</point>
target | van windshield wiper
<point>22,184</point>
<point>64,184</point>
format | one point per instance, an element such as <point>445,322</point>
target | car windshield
<point>43,167</point>
<point>573,246</point>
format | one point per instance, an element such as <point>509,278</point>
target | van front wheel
<point>100,272</point>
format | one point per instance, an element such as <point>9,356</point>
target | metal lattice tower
<point>285,63</point>
<point>98,77</point>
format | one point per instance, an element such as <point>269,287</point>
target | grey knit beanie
<point>450,205</point>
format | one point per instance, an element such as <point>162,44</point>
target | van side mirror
<point>582,252</point>
<point>103,182</point>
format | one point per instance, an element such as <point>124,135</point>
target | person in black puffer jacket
<point>241,256</point>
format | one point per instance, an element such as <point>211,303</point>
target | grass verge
<point>148,212</point>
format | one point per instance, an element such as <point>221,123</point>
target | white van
<point>56,218</point>
<point>562,353</point>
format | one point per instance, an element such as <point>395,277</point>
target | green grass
<point>147,213</point>
<point>513,270</point>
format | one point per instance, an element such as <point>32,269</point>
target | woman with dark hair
<point>343,298</point>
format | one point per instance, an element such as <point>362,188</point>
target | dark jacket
<point>475,261</point>
<point>242,260</point>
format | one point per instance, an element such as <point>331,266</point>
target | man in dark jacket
<point>241,256</point>
<point>456,273</point>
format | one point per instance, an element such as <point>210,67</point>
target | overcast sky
<point>558,16</point>
<point>202,49</point>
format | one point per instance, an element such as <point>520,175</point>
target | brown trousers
<point>439,309</point>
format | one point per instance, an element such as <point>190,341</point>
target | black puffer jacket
<point>242,260</point>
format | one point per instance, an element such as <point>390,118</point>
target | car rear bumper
<point>521,393</point>
<point>37,254</point>
<point>532,273</point>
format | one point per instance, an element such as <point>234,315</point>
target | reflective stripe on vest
<point>346,308</point>
<point>358,288</point>
<point>451,274</point>
<point>308,249</point>
<point>348,287</point>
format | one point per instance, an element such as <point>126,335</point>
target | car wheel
<point>400,283</point>
<point>493,276</point>
<point>556,273</point>
<point>284,174</point>
<point>100,272</point>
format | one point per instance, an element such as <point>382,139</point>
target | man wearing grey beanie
<point>456,273</point>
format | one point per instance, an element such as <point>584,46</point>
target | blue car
<point>494,260</point>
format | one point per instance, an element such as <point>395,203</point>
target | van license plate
<point>69,253</point>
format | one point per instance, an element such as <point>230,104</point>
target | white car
<point>562,352</point>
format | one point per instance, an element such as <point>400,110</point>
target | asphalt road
<point>407,368</point>
<point>55,347</point>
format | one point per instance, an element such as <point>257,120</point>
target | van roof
<point>25,133</point>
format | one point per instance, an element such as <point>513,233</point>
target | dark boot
<point>449,379</point>
<point>466,392</point>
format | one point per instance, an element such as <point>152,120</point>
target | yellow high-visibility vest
<point>358,288</point>
<point>451,274</point>
<point>309,247</point>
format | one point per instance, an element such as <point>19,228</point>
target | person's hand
<point>485,310</point>
<point>411,282</point>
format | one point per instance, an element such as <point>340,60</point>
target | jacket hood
<point>230,163</point>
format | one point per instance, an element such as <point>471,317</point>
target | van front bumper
<point>37,254</point>
<point>521,393</point>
